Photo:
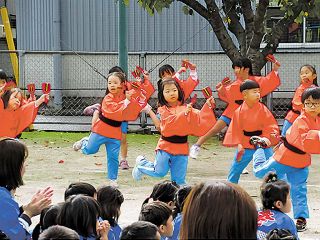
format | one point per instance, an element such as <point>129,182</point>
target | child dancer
<point>231,94</point>
<point>293,157</point>
<point>116,107</point>
<point>14,115</point>
<point>177,121</point>
<point>308,78</point>
<point>250,119</point>
<point>167,71</point>
<point>275,197</point>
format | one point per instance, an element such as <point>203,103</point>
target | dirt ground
<point>213,163</point>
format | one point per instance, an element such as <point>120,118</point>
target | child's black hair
<point>110,200</point>
<point>80,188</point>
<point>179,198</point>
<point>12,156</point>
<point>157,213</point>
<point>50,217</point>
<point>59,232</point>
<point>116,69</point>
<point>313,92</point>
<point>273,190</point>
<point>139,230</point>
<point>243,62</point>
<point>6,96</point>
<point>249,84</point>
<point>80,213</point>
<point>313,70</point>
<point>165,69</point>
<point>163,191</point>
<point>161,99</point>
<point>3,75</point>
<point>39,227</point>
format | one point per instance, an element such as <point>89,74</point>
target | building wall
<point>92,25</point>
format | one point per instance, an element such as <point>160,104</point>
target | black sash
<point>239,102</point>
<point>109,121</point>
<point>296,111</point>
<point>291,147</point>
<point>253,133</point>
<point>175,139</point>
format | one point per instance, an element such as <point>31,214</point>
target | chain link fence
<point>80,86</point>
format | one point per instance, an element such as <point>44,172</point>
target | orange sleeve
<point>187,86</point>
<point>222,94</point>
<point>25,116</point>
<point>234,133</point>
<point>148,87</point>
<point>268,83</point>
<point>270,128</point>
<point>312,142</point>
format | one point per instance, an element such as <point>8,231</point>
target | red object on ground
<point>61,161</point>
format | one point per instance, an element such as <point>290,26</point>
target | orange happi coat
<point>187,85</point>
<point>304,135</point>
<point>174,122</point>
<point>114,108</point>
<point>146,87</point>
<point>296,102</point>
<point>14,122</point>
<point>231,93</point>
<point>251,119</point>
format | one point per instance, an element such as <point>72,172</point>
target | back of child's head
<point>161,98</point>
<point>243,62</point>
<point>12,156</point>
<point>163,191</point>
<point>80,213</point>
<point>116,69</point>
<point>180,197</point>
<point>39,227</point>
<point>50,217</point>
<point>165,69</point>
<point>59,232</point>
<point>249,84</point>
<point>280,234</point>
<point>157,213</point>
<point>110,200</point>
<point>3,76</point>
<point>313,70</point>
<point>6,96</point>
<point>311,92</point>
<point>140,230</point>
<point>80,188</point>
<point>273,190</point>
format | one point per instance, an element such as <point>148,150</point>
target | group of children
<point>252,127</point>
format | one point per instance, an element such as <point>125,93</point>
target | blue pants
<point>164,161</point>
<point>285,127</point>
<point>124,127</point>
<point>92,146</point>
<point>237,167</point>
<point>297,178</point>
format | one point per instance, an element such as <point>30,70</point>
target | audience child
<point>81,213</point>
<point>15,221</point>
<point>140,230</point>
<point>275,197</point>
<point>163,191</point>
<point>59,232</point>
<point>292,157</point>
<point>80,188</point>
<point>179,199</point>
<point>110,200</point>
<point>160,215</point>
<point>219,210</point>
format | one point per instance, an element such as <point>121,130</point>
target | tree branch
<point>248,16</point>
<point>234,25</point>
<point>196,6</point>
<point>220,30</point>
<point>278,30</point>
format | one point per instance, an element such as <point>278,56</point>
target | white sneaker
<point>245,171</point>
<point>113,183</point>
<point>136,173</point>
<point>194,151</point>
<point>77,145</point>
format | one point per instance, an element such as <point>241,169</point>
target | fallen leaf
<point>61,161</point>
<point>98,164</point>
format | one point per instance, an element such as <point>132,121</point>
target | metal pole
<point>123,37</point>
<point>57,61</point>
